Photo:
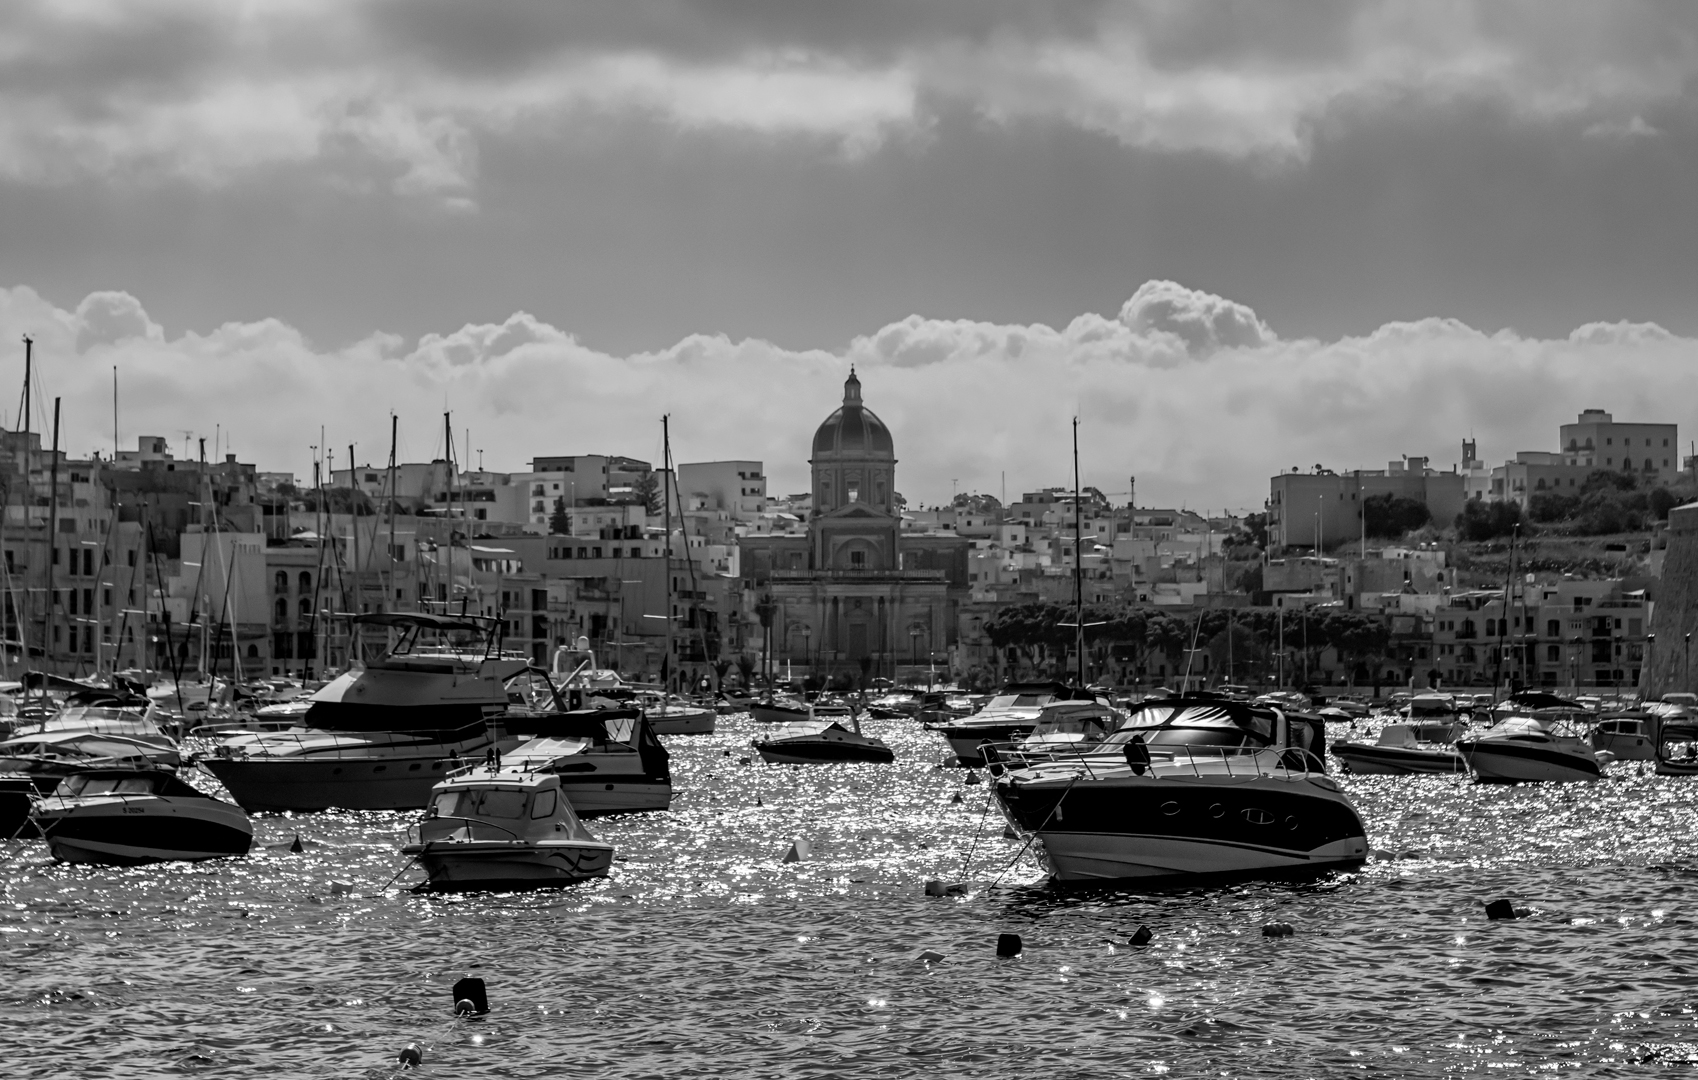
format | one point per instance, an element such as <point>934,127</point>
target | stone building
<point>855,593</point>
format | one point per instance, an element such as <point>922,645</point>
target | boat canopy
<point>94,782</point>
<point>1541,699</point>
<point>425,621</point>
<point>800,729</point>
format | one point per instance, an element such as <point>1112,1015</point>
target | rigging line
<point>977,833</point>
<point>1036,831</point>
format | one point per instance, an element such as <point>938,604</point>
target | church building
<point>855,593</point>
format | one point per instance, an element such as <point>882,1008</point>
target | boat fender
<point>1279,929</point>
<point>1501,908</point>
<point>1140,937</point>
<point>471,997</point>
<point>411,1057</point>
<point>1137,755</point>
<point>1008,945</point>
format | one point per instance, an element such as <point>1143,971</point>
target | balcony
<point>862,576</point>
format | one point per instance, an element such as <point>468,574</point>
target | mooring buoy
<point>471,997</point>
<point>1141,937</point>
<point>1008,945</point>
<point>410,1057</point>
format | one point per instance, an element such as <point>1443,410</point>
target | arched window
<point>253,652</point>
<point>306,607</point>
<point>306,582</point>
<point>281,609</point>
<point>282,582</point>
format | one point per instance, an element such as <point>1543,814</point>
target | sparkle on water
<point>705,955</point>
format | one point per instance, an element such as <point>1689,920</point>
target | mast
<point>52,542</point>
<point>394,430</point>
<point>320,649</point>
<point>354,515</point>
<point>448,449</point>
<point>1078,562</point>
<point>666,519</point>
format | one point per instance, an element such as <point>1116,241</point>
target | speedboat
<point>608,760</point>
<point>672,715</point>
<point>122,817</point>
<point>893,705</point>
<point>1213,789</point>
<point>831,707</point>
<point>1676,746</point>
<point>48,757</point>
<point>780,710</point>
<point>1630,735</point>
<point>1397,752</point>
<point>1544,745</point>
<point>812,742</point>
<point>943,707</point>
<point>1435,718</point>
<point>1007,718</point>
<point>505,828</point>
<point>381,737</point>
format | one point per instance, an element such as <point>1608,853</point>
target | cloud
<point>375,94</point>
<point>1189,391</point>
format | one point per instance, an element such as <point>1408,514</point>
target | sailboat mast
<point>666,519</point>
<point>448,443</point>
<point>1078,561</point>
<point>52,542</point>
<point>394,431</point>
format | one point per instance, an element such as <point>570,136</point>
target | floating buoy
<point>949,762</point>
<point>929,956</point>
<point>1008,833</point>
<point>1503,909</point>
<point>758,801</point>
<point>411,1057</point>
<point>1008,945</point>
<point>1278,929</point>
<point>972,778</point>
<point>740,761</point>
<point>799,850</point>
<point>955,798</point>
<point>946,888</point>
<point>471,997</point>
<point>296,848</point>
<point>728,753</point>
<point>341,888</point>
<point>1141,937</point>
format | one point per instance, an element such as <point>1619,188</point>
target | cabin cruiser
<point>48,757</point>
<point>1540,745</point>
<point>608,760</point>
<point>587,685</point>
<point>122,817</point>
<point>893,705</point>
<point>812,742</point>
<point>1006,718</point>
<point>780,709</point>
<point>1398,752</point>
<point>1072,725</point>
<point>1203,789</point>
<point>669,714</point>
<point>379,738</point>
<point>1629,735</point>
<point>1676,745</point>
<point>505,828</point>
<point>832,706</point>
<point>944,707</point>
<point>1435,718</point>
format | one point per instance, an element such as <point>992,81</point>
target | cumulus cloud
<point>376,92</point>
<point>1189,391</point>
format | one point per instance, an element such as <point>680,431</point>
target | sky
<point>1231,237</point>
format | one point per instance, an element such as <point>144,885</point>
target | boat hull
<point>1510,761</point>
<point>687,722</point>
<point>1367,759</point>
<point>766,712</point>
<point>823,753</point>
<point>1626,747</point>
<point>1163,831</point>
<point>303,785</point>
<point>130,832</point>
<point>967,740</point>
<point>596,796</point>
<point>454,866</point>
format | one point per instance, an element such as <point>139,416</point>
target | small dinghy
<point>495,828</point>
<point>122,817</point>
<point>1397,752</point>
<point>816,742</point>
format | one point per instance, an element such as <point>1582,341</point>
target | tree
<point>647,490</point>
<point>1608,480</point>
<point>560,522</point>
<point>1481,520</point>
<point>1257,526</point>
<point>1391,515</point>
<point>1660,501</point>
<point>1548,506</point>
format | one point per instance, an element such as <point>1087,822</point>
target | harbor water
<point>704,954</point>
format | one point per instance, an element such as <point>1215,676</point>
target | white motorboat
<point>49,757</point>
<point>1545,745</point>
<point>121,817</point>
<point>1630,735</point>
<point>1397,752</point>
<point>780,710</point>
<point>505,828</point>
<point>1072,726</point>
<point>813,742</point>
<point>672,715</point>
<point>1006,718</point>
<point>1676,744</point>
<point>608,760</point>
<point>380,738</point>
<point>1215,790</point>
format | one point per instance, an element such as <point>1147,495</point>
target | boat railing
<point>305,745</point>
<point>472,824</point>
<point>1100,760</point>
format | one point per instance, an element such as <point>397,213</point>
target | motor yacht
<point>780,709</point>
<point>380,737</point>
<point>1212,789</point>
<point>813,742</point>
<point>1540,745</point>
<point>48,757</point>
<point>608,760</point>
<point>122,817</point>
<point>1007,718</point>
<point>504,828</point>
<point>1398,752</point>
<point>670,714</point>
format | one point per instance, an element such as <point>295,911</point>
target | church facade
<point>854,594</point>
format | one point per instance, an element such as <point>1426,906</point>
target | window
<point>543,807</point>
<point>281,610</point>
<point>858,560</point>
<point>306,607</point>
<point>502,804</point>
<point>306,582</point>
<point>1553,628</point>
<point>282,582</point>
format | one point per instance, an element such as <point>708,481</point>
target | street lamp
<point>914,645</point>
<point>808,648</point>
<point>1650,662</point>
<point>1686,661</point>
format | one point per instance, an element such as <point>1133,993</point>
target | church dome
<point>853,431</point>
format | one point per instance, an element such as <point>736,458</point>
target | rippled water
<point>705,955</point>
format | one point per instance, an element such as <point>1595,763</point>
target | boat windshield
<point>481,802</point>
<point>1019,701</point>
<point>1196,736</point>
<point>105,785</point>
